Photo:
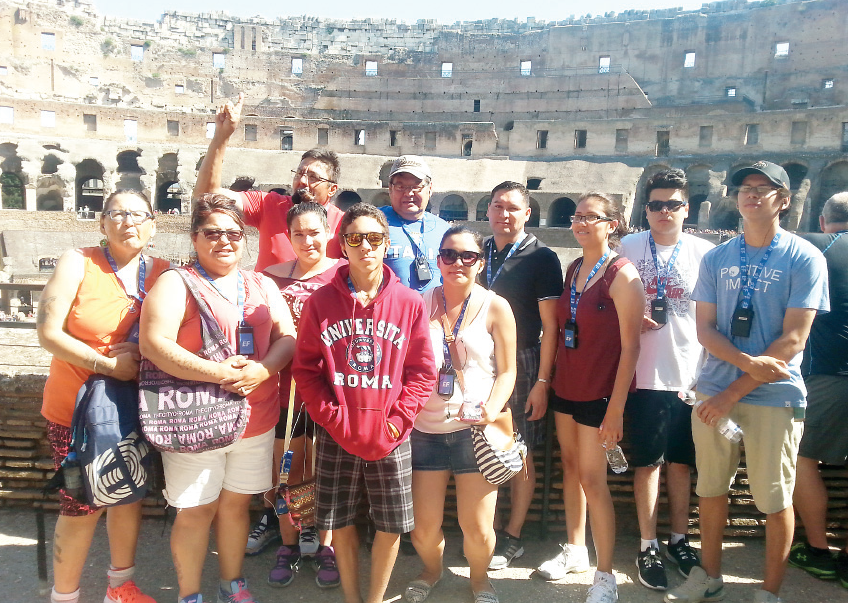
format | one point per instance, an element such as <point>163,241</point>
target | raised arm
<point>209,175</point>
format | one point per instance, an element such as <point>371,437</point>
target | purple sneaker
<point>326,572</point>
<point>239,594</point>
<point>282,574</point>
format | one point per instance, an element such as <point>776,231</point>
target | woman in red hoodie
<point>364,366</point>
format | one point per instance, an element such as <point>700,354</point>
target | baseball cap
<point>776,174</point>
<point>410,164</point>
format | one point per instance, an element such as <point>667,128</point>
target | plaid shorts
<point>340,477</point>
<point>527,372</point>
<point>59,438</point>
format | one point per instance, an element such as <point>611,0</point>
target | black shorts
<point>660,426</point>
<point>590,413</point>
<point>301,419</point>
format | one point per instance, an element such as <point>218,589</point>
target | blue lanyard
<point>748,288</point>
<point>142,269</point>
<point>662,279</point>
<point>241,296</point>
<point>445,348</point>
<point>491,280</point>
<point>574,300</point>
<point>418,251</point>
<point>839,234</point>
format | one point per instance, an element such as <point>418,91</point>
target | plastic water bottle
<point>725,425</point>
<point>72,475</point>
<point>616,460</point>
<point>471,410</point>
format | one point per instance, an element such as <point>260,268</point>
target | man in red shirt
<point>316,179</point>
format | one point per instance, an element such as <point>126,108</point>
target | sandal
<point>417,591</point>
<point>486,596</point>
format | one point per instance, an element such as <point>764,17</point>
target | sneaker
<point>308,541</point>
<point>240,593</point>
<point>507,549</point>
<point>842,568</point>
<point>764,596</point>
<point>127,592</point>
<point>651,570</point>
<point>572,559</point>
<point>817,562</point>
<point>195,598</point>
<point>603,591</point>
<point>326,572</point>
<point>264,532</point>
<point>698,587</point>
<point>288,560</point>
<point>684,555</point>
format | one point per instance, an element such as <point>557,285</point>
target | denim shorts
<point>452,452</point>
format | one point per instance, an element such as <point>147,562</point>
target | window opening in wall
<point>798,134</point>
<point>604,65</point>
<point>250,132</point>
<point>781,50</point>
<point>467,144</point>
<point>689,59</point>
<point>541,139</point>
<point>173,127</point>
<point>827,83</point>
<point>4,70</point>
<point>371,68</point>
<point>297,66</point>
<point>210,129</point>
<point>94,80</point>
<point>179,88</point>
<point>730,91</point>
<point>137,52</point>
<point>7,115</point>
<point>705,137</point>
<point>476,105</point>
<point>447,69</point>
<point>752,134</point>
<point>844,134</point>
<point>218,61</point>
<point>323,136</point>
<point>131,130</point>
<point>286,140</point>
<point>393,138</point>
<point>430,140</point>
<point>359,138</point>
<point>533,184</point>
<point>48,41</point>
<point>579,139</point>
<point>253,39</point>
<point>621,138</point>
<point>48,119</point>
<point>526,67</point>
<point>90,122</point>
<point>663,143</point>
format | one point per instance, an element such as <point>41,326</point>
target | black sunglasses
<point>656,206</point>
<point>468,258</point>
<point>215,234</point>
<point>354,239</point>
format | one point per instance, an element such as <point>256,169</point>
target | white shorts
<point>195,479</point>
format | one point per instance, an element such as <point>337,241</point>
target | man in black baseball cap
<point>776,174</point>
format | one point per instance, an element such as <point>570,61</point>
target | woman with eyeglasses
<point>215,487</point>
<point>472,334</point>
<point>364,366</point>
<point>88,319</point>
<point>599,316</point>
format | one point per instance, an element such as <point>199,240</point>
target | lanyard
<point>455,330</point>
<point>841,232</point>
<point>239,302</point>
<point>142,269</point>
<point>574,300</point>
<point>489,278</point>
<point>662,279</point>
<point>748,288</point>
<point>418,251</point>
<point>353,289</point>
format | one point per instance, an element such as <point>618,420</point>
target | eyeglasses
<point>672,206</point>
<point>215,234</point>
<point>311,177</point>
<point>590,219</point>
<point>450,256</point>
<point>137,217</point>
<point>762,191</point>
<point>354,239</point>
<point>405,190</point>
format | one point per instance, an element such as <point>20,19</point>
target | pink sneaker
<point>127,592</point>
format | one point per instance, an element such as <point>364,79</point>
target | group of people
<point>390,324</point>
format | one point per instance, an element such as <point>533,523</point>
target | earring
<point>104,243</point>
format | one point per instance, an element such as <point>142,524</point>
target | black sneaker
<point>651,569</point>
<point>683,555</point>
<point>817,562</point>
<point>842,568</point>
<point>507,549</point>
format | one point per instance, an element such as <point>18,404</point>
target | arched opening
<point>796,173</point>
<point>535,214</point>
<point>169,197</point>
<point>129,172</point>
<point>49,201</point>
<point>453,209</point>
<point>483,208</point>
<point>834,179</point>
<point>12,188</point>
<point>699,189</point>
<point>381,200</point>
<point>560,212</point>
<point>242,184</point>
<point>345,199</point>
<point>51,164</point>
<point>385,169</point>
<point>89,186</point>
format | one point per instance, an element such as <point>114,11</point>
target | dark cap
<point>776,174</point>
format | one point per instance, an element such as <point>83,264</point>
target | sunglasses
<point>450,256</point>
<point>215,234</point>
<point>672,206</point>
<point>354,239</point>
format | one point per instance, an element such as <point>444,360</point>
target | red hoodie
<point>358,368</point>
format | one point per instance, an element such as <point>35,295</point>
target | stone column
<point>30,170</point>
<point>67,175</point>
<point>798,208</point>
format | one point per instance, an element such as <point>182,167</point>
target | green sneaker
<point>842,568</point>
<point>816,562</point>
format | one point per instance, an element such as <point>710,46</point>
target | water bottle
<point>471,410</point>
<point>725,425</point>
<point>72,476</point>
<point>616,460</point>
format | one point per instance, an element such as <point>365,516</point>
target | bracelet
<point>543,380</point>
<point>95,364</point>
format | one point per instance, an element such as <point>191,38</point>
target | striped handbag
<point>499,450</point>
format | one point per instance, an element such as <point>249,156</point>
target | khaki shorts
<point>193,479</point>
<point>771,439</point>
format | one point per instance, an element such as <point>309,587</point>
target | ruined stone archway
<point>483,208</point>
<point>169,196</point>
<point>49,201</point>
<point>129,171</point>
<point>453,209</point>
<point>89,186</point>
<point>561,211</point>
<point>345,199</point>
